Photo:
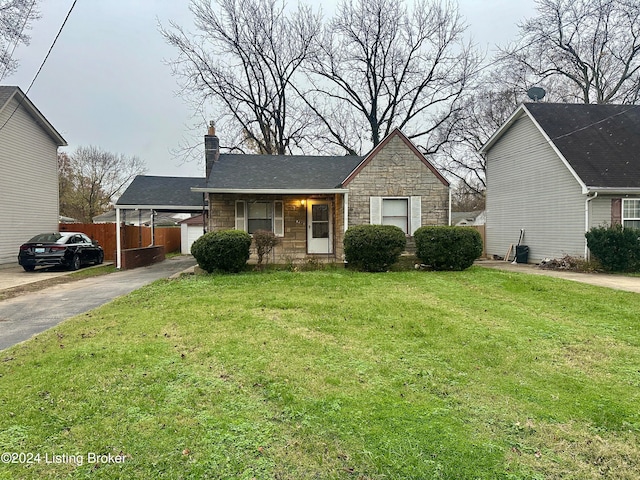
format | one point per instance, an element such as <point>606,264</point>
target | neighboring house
<point>558,170</point>
<point>29,181</point>
<point>466,219</point>
<point>309,201</point>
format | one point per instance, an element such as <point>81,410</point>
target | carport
<point>159,194</point>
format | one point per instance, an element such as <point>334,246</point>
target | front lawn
<point>479,374</point>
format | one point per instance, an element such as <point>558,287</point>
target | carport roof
<point>162,193</point>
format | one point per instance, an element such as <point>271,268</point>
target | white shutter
<point>375,210</point>
<point>416,214</point>
<point>240,215</point>
<point>278,218</point>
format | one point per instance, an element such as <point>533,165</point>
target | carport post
<point>118,246</point>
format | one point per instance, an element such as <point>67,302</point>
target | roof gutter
<point>614,190</point>
<point>159,207</point>
<point>272,191</point>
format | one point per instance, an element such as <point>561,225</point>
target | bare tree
<point>244,58</point>
<point>590,48</point>
<point>484,111</point>
<point>380,66</point>
<point>467,199</point>
<point>16,17</point>
<point>90,179</point>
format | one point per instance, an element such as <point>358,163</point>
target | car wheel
<point>75,263</point>
<point>100,258</point>
<point>29,268</point>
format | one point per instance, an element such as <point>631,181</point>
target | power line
<point>51,47</point>
<point>42,64</point>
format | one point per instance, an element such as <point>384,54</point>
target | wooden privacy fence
<point>481,230</point>
<point>132,236</point>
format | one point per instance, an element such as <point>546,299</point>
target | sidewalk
<point>615,281</point>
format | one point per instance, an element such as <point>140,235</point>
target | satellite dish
<point>536,93</point>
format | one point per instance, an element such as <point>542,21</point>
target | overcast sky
<point>106,82</point>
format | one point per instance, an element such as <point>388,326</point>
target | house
<point>466,219</point>
<point>29,181</point>
<point>310,201</point>
<point>557,170</point>
<point>307,201</point>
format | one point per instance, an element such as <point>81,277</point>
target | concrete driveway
<point>31,313</point>
<point>617,282</point>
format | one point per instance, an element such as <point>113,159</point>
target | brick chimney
<point>211,148</point>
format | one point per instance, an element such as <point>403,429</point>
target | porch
<point>308,225</point>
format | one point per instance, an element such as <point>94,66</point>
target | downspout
<point>586,223</point>
<point>345,214</point>
<point>449,221</point>
<point>118,243</point>
<point>153,228</point>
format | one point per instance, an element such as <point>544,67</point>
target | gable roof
<point>236,172</point>
<point>162,193</point>
<point>395,133</point>
<point>600,144</point>
<point>7,93</point>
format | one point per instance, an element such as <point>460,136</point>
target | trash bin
<point>522,254</point>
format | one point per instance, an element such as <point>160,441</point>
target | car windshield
<point>47,238</point>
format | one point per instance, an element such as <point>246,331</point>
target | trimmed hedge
<point>616,248</point>
<point>226,251</point>
<point>448,248</point>
<point>373,248</point>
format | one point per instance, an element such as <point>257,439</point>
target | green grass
<point>333,374</point>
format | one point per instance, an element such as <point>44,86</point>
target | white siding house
<point>29,180</point>
<point>556,171</point>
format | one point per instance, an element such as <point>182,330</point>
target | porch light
<point>302,202</point>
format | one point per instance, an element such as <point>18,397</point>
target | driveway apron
<point>29,314</point>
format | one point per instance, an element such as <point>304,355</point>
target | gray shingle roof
<point>600,142</point>
<point>289,172</point>
<point>152,190</point>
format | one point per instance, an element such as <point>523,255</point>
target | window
<point>253,216</point>
<point>259,216</point>
<point>395,211</point>
<point>403,212</point>
<point>631,213</point>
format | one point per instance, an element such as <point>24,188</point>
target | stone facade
<point>397,171</point>
<point>293,245</point>
<point>394,169</point>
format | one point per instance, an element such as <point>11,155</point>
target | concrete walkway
<point>14,275</point>
<point>26,315</point>
<point>615,281</point>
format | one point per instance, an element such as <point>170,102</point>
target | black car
<point>68,249</point>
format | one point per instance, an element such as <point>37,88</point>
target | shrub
<point>227,250</point>
<point>373,248</point>
<point>264,241</point>
<point>448,248</point>
<point>616,248</point>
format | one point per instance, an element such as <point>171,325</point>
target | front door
<point>319,227</point>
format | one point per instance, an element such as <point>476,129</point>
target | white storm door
<point>319,227</point>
